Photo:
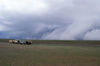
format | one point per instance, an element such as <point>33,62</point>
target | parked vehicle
<point>28,42</point>
<point>11,41</point>
<point>17,41</point>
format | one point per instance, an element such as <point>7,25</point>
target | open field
<point>4,40</point>
<point>51,53</point>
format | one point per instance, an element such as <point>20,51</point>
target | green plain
<point>51,53</point>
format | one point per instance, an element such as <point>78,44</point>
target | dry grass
<point>49,55</point>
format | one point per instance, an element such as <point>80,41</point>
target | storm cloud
<point>50,19</point>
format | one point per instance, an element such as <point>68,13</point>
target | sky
<point>50,19</point>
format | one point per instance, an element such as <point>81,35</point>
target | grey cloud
<point>59,19</point>
<point>92,35</point>
<point>85,17</point>
<point>75,31</point>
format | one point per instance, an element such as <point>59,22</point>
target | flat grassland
<point>51,53</point>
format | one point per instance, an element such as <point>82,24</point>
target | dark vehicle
<point>28,42</point>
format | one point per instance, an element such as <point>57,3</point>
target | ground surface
<point>51,53</point>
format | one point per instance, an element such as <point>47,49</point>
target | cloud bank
<point>50,19</point>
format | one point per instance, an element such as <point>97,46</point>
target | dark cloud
<point>50,19</point>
